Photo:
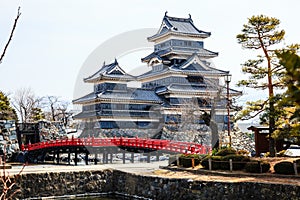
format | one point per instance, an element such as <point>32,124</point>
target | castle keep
<point>181,94</point>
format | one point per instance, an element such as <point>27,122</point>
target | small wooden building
<point>261,136</point>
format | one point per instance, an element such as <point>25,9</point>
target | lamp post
<point>227,81</point>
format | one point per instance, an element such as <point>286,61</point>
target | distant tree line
<point>25,106</point>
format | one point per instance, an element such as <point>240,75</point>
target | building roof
<point>110,71</point>
<point>180,50</point>
<point>85,114</point>
<point>193,65</point>
<point>87,98</point>
<point>131,94</point>
<point>232,92</point>
<point>134,94</point>
<point>187,88</point>
<point>175,25</point>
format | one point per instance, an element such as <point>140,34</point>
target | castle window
<point>195,79</point>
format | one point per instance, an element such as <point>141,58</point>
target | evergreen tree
<point>6,111</point>
<point>290,103</point>
<point>37,114</point>
<point>261,33</point>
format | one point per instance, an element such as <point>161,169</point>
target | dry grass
<point>269,177</point>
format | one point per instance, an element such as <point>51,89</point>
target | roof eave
<point>170,32</point>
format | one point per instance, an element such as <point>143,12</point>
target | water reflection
<point>96,198</point>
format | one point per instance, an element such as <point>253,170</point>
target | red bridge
<point>93,145</point>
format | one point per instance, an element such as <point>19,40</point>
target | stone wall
<point>151,187</point>
<point>64,183</point>
<point>165,188</point>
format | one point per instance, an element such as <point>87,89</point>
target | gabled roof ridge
<point>183,28</point>
<point>206,66</point>
<point>179,18</point>
<point>189,19</point>
<point>106,69</point>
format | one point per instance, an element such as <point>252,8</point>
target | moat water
<point>96,198</point>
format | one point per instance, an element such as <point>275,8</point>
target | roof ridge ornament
<point>166,13</point>
<point>116,62</point>
<point>190,17</point>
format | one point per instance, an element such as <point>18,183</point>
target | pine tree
<point>261,33</point>
<point>6,111</point>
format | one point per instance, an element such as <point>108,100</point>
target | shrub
<point>253,166</point>
<point>281,153</point>
<point>186,160</point>
<point>215,162</point>
<point>284,167</point>
<point>267,154</point>
<point>243,152</point>
<point>214,151</point>
<point>238,162</point>
<point>226,151</point>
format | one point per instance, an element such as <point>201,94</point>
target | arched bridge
<point>107,146</point>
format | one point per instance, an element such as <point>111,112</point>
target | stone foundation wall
<point>118,182</point>
<point>64,183</point>
<point>165,188</point>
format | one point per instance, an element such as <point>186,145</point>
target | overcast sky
<point>54,38</point>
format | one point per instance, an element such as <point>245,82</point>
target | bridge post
<point>54,157</point>
<point>69,157</point>
<point>96,159</point>
<point>86,158</point>
<point>57,157</point>
<point>111,157</point>
<point>123,151</point>
<point>132,157</point>
<point>148,157</point>
<point>104,157</point>
<point>157,156</point>
<point>76,157</point>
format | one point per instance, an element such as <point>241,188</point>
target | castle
<point>181,94</point>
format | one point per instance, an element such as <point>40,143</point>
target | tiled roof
<point>156,54</point>
<point>134,94</point>
<point>137,94</point>
<point>199,51</point>
<point>185,88</point>
<point>195,67</point>
<point>189,66</point>
<point>112,70</point>
<point>179,25</point>
<point>89,97</point>
<point>194,64</point>
<point>180,50</point>
<point>152,73</point>
<point>85,114</point>
<point>232,92</point>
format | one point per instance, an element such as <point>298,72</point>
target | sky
<point>55,39</point>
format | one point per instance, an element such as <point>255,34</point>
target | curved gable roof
<point>112,70</point>
<point>179,26</point>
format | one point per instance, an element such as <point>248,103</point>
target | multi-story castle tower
<point>182,86</point>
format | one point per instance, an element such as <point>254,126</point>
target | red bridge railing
<point>155,144</point>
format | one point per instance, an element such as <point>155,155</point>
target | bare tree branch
<point>11,35</point>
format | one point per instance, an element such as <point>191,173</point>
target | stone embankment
<point>148,186</point>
